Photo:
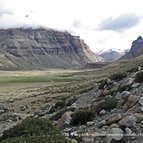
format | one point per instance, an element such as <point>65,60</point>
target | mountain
<point>110,55</point>
<point>136,49</point>
<point>42,48</point>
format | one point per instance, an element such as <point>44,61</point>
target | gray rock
<point>139,68</point>
<point>129,121</point>
<point>127,81</point>
<point>135,85</point>
<point>118,95</point>
<point>141,101</point>
<point>90,123</point>
<point>102,112</point>
<point>115,134</point>
<point>125,94</point>
<point>128,131</point>
<point>102,123</point>
<point>65,120</point>
<point>87,139</point>
<point>74,141</point>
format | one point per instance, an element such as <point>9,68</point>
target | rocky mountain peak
<point>43,48</point>
<point>136,49</point>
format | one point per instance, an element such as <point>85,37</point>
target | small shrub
<point>118,76</point>
<point>58,115</point>
<point>132,70</point>
<point>102,84</point>
<point>139,77</point>
<point>82,116</point>
<point>38,139</point>
<point>124,88</point>
<point>109,104</point>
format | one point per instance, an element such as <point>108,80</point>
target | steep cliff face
<point>41,48</point>
<point>136,49</point>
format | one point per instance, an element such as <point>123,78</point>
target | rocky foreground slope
<point>111,112</point>
<point>42,48</point>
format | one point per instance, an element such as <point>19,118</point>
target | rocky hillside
<point>110,112</point>
<point>136,49</point>
<point>42,48</point>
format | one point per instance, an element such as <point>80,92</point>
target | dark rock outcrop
<point>136,49</point>
<point>42,48</point>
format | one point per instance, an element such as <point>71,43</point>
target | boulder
<point>114,119</point>
<point>88,139</point>
<point>139,117</point>
<point>65,120</point>
<point>91,123</point>
<point>102,112</point>
<point>97,105</point>
<point>135,85</point>
<point>129,121</point>
<point>101,123</point>
<point>127,81</point>
<point>116,134</point>
<point>141,101</point>
<point>132,100</point>
<point>118,95</point>
<point>125,94</point>
<point>128,131</point>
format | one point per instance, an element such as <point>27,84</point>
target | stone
<point>74,141</point>
<point>132,100</point>
<point>132,110</point>
<point>97,105</point>
<point>129,121</point>
<point>114,126</point>
<point>2,111</point>
<point>102,112</point>
<point>115,118</point>
<point>128,131</point>
<point>138,116</point>
<point>65,120</point>
<point>139,68</point>
<point>116,134</point>
<point>125,94</point>
<point>135,85</point>
<point>87,139</point>
<point>91,123</point>
<point>127,81</point>
<point>118,95</point>
<point>141,100</point>
<point>74,105</point>
<point>101,123</point>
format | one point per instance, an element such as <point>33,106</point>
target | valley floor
<point>26,93</point>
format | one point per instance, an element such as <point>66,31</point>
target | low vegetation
<point>108,104</point>
<point>139,77</point>
<point>118,76</point>
<point>32,130</point>
<point>82,116</point>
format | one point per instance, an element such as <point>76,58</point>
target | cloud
<point>77,24</point>
<point>120,23</point>
<point>6,12</point>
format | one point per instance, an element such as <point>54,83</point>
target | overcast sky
<point>103,24</point>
